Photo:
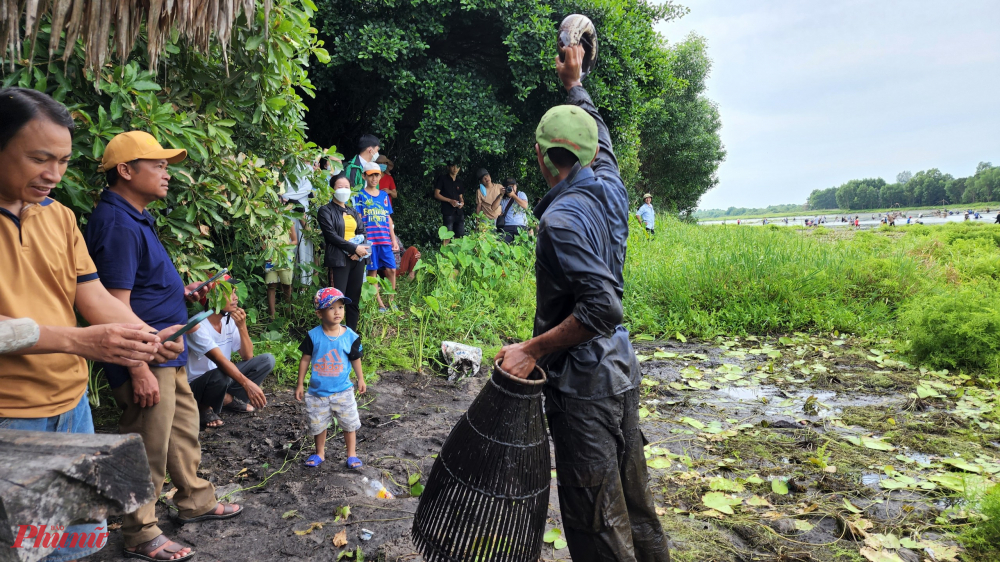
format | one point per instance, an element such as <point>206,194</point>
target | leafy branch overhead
<point>243,129</point>
<point>442,81</point>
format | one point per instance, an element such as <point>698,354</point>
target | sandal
<point>160,548</point>
<point>314,461</point>
<point>208,416</point>
<point>239,406</point>
<point>354,463</point>
<point>229,510</point>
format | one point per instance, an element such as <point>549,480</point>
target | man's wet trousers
<point>604,497</point>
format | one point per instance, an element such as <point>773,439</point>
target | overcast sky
<point>815,93</point>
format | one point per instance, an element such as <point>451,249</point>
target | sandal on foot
<point>229,510</point>
<point>239,406</point>
<point>208,416</point>
<point>314,461</point>
<point>354,463</point>
<point>160,548</point>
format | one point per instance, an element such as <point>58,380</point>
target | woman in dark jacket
<point>344,260</point>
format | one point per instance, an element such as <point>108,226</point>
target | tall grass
<point>933,289</point>
<point>740,280</point>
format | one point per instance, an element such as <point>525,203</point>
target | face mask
<point>374,157</point>
<point>482,189</point>
<point>383,166</point>
<point>342,194</point>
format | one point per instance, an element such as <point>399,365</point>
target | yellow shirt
<point>44,259</point>
<point>350,226</point>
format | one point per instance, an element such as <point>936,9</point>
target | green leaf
<point>414,478</point>
<point>254,42</point>
<point>721,502</point>
<point>962,464</point>
<point>658,462</point>
<point>802,525</point>
<point>416,490</point>
<point>551,535</point>
<point>779,487</point>
<point>693,423</point>
<point>559,544</point>
<point>724,485</point>
<point>145,86</point>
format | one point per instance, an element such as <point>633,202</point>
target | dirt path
<point>405,422</point>
<point>730,423</point>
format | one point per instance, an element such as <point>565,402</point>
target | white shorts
<point>322,409</point>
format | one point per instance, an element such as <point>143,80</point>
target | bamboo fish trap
<point>488,492</point>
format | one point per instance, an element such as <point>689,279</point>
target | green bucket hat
<point>569,127</point>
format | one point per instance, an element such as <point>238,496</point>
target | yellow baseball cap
<point>137,145</point>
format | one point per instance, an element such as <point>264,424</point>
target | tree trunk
<point>59,479</point>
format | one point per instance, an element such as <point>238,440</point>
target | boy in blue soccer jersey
<point>333,350</point>
<point>376,208</point>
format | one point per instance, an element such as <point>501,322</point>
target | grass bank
<point>933,288</point>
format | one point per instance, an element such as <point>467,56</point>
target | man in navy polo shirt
<point>157,401</point>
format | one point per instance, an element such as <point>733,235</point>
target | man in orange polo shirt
<point>46,272</point>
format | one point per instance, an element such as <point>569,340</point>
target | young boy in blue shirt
<point>376,208</point>
<point>333,350</point>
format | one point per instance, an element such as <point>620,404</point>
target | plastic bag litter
<point>462,360</point>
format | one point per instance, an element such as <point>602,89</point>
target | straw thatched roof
<point>113,25</point>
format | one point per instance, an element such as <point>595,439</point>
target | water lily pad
<point>779,487</point>
<point>693,423</point>
<point>721,502</point>
<point>658,462</point>
<point>724,485</point>
<point>871,443</point>
<point>962,464</point>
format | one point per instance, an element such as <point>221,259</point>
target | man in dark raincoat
<point>592,395</point>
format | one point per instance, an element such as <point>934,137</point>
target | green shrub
<point>286,358</point>
<point>956,329</point>
<point>984,536</point>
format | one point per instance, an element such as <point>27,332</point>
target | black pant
<point>455,223</point>
<point>211,388</point>
<point>604,497</point>
<point>349,279</point>
<point>511,232</point>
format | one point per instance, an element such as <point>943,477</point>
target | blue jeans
<point>77,420</point>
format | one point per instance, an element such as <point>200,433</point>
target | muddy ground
<point>798,449</point>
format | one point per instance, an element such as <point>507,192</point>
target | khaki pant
<point>169,431</point>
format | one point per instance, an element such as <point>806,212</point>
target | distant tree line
<point>748,211</point>
<point>923,189</point>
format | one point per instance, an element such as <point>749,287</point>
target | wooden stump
<point>58,479</point>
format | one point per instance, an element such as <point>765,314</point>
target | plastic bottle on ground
<point>375,489</point>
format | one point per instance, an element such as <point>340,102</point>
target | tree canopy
<point>240,121</point>
<point>439,80</point>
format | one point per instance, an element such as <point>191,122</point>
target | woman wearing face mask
<point>344,231</point>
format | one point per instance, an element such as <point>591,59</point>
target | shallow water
<point>866,220</point>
